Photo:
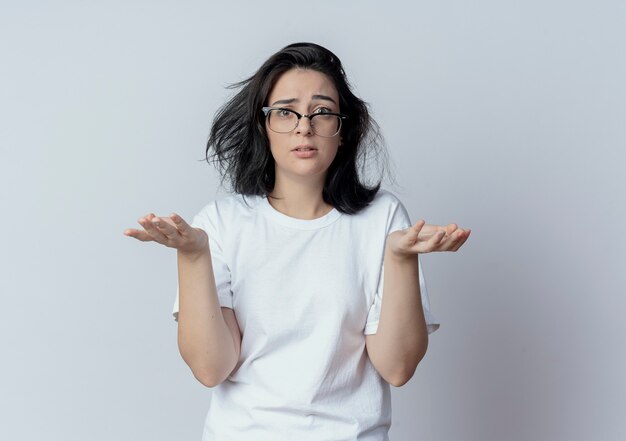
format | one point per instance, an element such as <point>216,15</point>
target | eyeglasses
<point>325,124</point>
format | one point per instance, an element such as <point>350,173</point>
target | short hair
<point>239,147</point>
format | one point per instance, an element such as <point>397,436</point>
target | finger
<point>180,223</point>
<point>432,230</point>
<point>163,225</point>
<point>138,234</point>
<point>435,241</point>
<point>152,230</point>
<point>413,232</point>
<point>452,242</point>
<point>415,229</point>
<point>462,241</point>
<point>449,229</point>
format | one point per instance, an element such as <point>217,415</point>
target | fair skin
<point>299,181</point>
<point>209,338</point>
<point>401,339</point>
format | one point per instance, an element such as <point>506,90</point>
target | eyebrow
<point>295,100</point>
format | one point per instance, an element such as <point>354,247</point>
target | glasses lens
<point>282,121</point>
<point>325,125</point>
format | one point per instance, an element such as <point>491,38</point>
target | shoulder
<point>386,211</point>
<point>384,203</point>
<point>386,197</point>
<point>226,210</point>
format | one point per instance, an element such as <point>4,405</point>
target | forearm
<point>402,334</point>
<point>204,339</point>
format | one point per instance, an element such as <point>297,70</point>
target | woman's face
<point>306,92</point>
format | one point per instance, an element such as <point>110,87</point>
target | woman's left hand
<point>425,238</point>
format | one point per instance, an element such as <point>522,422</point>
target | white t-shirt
<point>305,294</point>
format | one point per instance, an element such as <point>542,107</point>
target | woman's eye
<point>322,110</point>
<point>284,113</point>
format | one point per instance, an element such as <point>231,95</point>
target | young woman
<point>280,304</point>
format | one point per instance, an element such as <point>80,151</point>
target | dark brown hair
<point>238,144</point>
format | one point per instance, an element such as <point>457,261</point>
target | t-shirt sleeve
<point>399,220</point>
<point>221,270</point>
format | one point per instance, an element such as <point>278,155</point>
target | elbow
<point>204,374</point>
<point>399,383</point>
<point>401,379</point>
<point>205,370</point>
<point>206,380</point>
<point>404,376</point>
<point>211,376</point>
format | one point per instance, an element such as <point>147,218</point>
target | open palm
<point>425,238</point>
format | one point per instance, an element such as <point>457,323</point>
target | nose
<point>304,126</point>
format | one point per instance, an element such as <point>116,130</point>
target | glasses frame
<point>267,110</point>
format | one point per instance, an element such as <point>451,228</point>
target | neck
<point>298,199</point>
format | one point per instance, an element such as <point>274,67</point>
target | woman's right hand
<point>172,232</point>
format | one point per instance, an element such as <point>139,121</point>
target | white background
<point>505,117</point>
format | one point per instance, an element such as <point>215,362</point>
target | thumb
<point>413,232</point>
<point>417,227</point>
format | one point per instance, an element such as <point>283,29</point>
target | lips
<point>304,148</point>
